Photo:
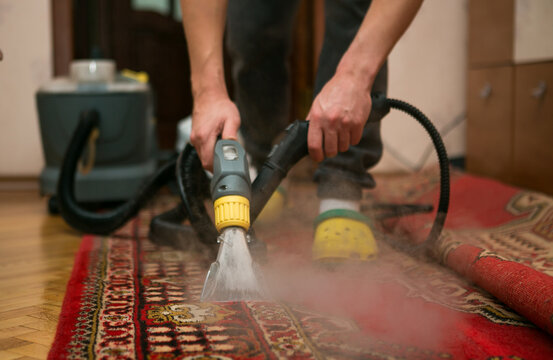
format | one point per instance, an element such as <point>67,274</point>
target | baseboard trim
<point>19,183</point>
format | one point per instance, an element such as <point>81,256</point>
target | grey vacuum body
<point>124,153</point>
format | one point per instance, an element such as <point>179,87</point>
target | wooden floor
<point>36,258</point>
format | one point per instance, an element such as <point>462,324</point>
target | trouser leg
<point>259,37</point>
<point>344,175</point>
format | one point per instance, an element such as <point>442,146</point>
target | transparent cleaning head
<point>233,276</point>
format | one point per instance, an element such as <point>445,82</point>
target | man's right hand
<point>213,115</point>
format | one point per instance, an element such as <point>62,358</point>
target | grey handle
<point>231,175</point>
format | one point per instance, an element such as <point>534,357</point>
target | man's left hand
<point>338,116</point>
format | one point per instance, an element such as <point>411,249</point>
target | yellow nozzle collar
<point>232,210</point>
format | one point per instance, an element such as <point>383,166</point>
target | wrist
<point>359,70</point>
<point>209,81</point>
<point>209,94</point>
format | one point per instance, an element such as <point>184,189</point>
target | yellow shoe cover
<point>343,235</point>
<point>273,208</point>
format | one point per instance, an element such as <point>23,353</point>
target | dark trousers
<point>259,36</point>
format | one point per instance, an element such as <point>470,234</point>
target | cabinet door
<point>533,130</point>
<point>489,122</point>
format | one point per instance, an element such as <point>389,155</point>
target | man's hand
<point>338,115</point>
<point>213,115</point>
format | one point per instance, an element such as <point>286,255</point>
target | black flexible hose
<point>167,229</point>
<point>193,189</point>
<point>163,225</point>
<point>443,203</point>
<point>107,222</point>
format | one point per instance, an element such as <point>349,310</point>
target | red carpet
<point>129,298</point>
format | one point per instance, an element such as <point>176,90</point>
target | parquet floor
<point>36,258</point>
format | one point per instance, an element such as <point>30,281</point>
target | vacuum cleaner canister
<point>121,154</point>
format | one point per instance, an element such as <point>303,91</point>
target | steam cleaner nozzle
<point>233,276</point>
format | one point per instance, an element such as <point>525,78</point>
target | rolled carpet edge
<point>522,288</point>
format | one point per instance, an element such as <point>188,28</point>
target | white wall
<point>427,69</point>
<point>25,40</point>
<point>533,37</point>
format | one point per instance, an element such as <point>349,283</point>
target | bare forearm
<point>384,24</point>
<point>214,113</point>
<point>341,109</point>
<point>204,24</point>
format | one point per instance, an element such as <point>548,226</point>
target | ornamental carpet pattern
<point>129,298</point>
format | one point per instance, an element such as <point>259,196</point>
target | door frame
<point>62,35</point>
